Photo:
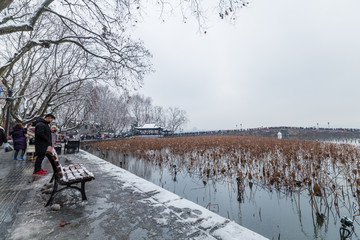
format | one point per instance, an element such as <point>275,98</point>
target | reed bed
<point>329,173</point>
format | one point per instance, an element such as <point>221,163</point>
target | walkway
<point>120,206</point>
<point>14,181</point>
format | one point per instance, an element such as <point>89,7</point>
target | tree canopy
<point>53,49</point>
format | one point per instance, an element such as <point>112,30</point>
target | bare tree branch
<point>29,25</point>
<point>4,4</point>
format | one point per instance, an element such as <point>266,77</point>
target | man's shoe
<point>15,158</point>
<point>39,172</point>
<point>21,158</point>
<point>44,171</point>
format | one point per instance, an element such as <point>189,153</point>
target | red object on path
<point>40,172</point>
<point>63,223</point>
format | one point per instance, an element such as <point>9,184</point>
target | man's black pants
<point>39,158</point>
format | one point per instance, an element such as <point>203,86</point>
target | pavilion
<point>151,130</point>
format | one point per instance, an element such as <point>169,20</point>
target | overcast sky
<point>284,63</point>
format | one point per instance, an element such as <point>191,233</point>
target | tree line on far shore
<point>114,112</point>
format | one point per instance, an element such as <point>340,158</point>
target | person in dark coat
<point>42,141</point>
<point>19,139</point>
<point>3,138</point>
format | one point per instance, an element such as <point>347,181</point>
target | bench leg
<point>83,191</point>
<point>52,178</point>
<point>52,194</point>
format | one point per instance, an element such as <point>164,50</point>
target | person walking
<point>30,148</point>
<point>53,135</point>
<point>42,141</point>
<point>3,138</point>
<point>19,140</point>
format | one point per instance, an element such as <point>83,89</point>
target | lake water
<point>271,213</point>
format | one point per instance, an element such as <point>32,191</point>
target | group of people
<point>44,137</point>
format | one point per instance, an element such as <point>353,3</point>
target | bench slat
<point>88,173</point>
<point>76,173</point>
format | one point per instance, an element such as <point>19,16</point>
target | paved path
<point>120,206</point>
<point>15,177</point>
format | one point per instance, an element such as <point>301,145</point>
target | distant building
<point>150,130</point>
<point>279,135</point>
<point>89,128</point>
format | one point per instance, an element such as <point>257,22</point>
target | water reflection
<point>272,212</point>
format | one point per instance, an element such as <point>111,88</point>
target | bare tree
<point>95,26</point>
<point>142,110</point>
<point>52,48</point>
<point>110,110</point>
<point>77,46</point>
<point>45,80</point>
<point>114,112</point>
<point>147,110</point>
<point>135,108</point>
<point>122,118</point>
<point>73,114</point>
<point>176,118</point>
<point>159,116</point>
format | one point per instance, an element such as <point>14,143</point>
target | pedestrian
<point>53,135</point>
<point>3,138</point>
<point>42,141</point>
<point>19,140</point>
<point>30,148</point>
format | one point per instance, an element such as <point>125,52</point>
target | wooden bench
<point>67,176</point>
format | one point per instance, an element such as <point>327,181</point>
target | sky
<point>282,63</point>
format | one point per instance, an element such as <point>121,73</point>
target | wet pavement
<point>14,181</point>
<point>120,206</point>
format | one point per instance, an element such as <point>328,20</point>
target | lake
<point>271,212</point>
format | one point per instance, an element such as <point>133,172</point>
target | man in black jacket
<point>42,141</point>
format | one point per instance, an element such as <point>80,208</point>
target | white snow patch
<point>30,230</point>
<point>161,221</point>
<point>233,230</point>
<point>151,201</point>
